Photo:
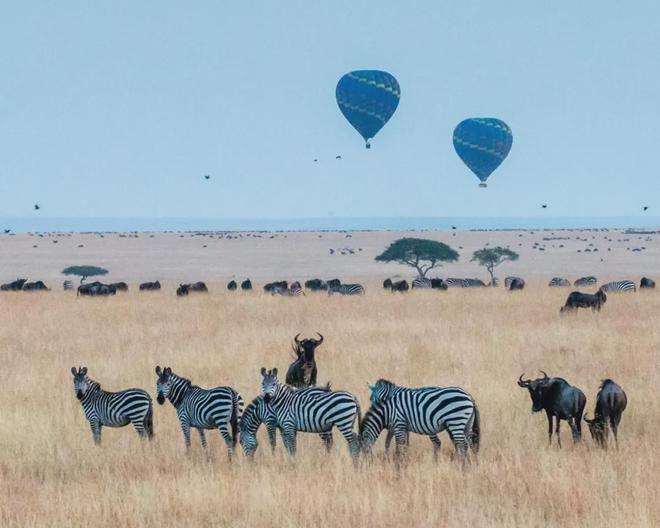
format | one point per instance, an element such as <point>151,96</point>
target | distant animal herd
<point>300,406</point>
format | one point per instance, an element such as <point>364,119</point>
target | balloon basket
<point>483,185</point>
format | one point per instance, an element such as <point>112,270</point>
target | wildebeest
<point>302,372</point>
<point>400,286</point>
<point>231,285</point>
<point>35,286</point>
<point>316,285</point>
<point>96,288</point>
<point>577,300</point>
<point>387,284</point>
<point>559,282</point>
<point>333,283</point>
<point>246,284</point>
<point>16,285</point>
<point>586,281</point>
<point>150,286</point>
<point>268,288</point>
<point>438,284</point>
<point>120,286</point>
<point>611,401</point>
<point>646,283</point>
<point>182,290</point>
<point>516,283</point>
<point>559,399</point>
<point>198,287</point>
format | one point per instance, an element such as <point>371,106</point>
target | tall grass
<point>51,474</point>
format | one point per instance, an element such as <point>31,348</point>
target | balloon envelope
<point>368,98</point>
<point>482,143</point>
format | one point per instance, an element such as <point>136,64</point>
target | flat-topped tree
<point>419,253</point>
<point>490,258</point>
<point>84,271</point>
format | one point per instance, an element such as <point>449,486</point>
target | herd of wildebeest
<point>299,405</point>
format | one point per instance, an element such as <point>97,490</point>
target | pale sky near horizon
<point>118,109</point>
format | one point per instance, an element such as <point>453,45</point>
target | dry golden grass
<point>51,474</point>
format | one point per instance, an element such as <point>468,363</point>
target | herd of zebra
<point>298,405</point>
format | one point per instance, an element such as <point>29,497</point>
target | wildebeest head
<point>269,383</point>
<point>81,382</point>
<point>163,384</point>
<point>597,429</point>
<point>535,388</point>
<point>305,348</point>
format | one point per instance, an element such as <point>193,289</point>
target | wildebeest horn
<point>296,338</point>
<point>320,340</point>
<point>522,382</point>
<point>545,376</point>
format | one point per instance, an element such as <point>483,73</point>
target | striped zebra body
<point>202,409</point>
<point>259,412</point>
<point>421,283</point>
<point>347,289</point>
<point>113,409</point>
<point>559,282</point>
<point>311,411</point>
<point>586,281</point>
<point>465,283</point>
<point>619,286</point>
<point>426,411</point>
<point>295,290</point>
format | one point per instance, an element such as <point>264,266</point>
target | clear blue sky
<point>119,109</point>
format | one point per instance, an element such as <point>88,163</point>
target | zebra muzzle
<point>160,399</point>
<point>79,395</point>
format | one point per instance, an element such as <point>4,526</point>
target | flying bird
<point>544,206</point>
<point>645,207</point>
<point>315,160</point>
<point>36,207</point>
<point>337,157</point>
<point>207,176</point>
<point>7,231</point>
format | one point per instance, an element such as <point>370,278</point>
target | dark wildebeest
<point>277,285</point>
<point>182,290</point>
<point>120,286</point>
<point>387,284</point>
<point>16,285</point>
<point>611,401</point>
<point>586,281</point>
<point>400,286</point>
<point>316,285</point>
<point>438,284</point>
<point>333,283</point>
<point>516,284</point>
<point>246,284</point>
<point>559,282</point>
<point>231,285</point>
<point>198,287</point>
<point>577,300</point>
<point>150,286</point>
<point>302,372</point>
<point>646,283</point>
<point>96,288</point>
<point>34,286</point>
<point>559,399</point>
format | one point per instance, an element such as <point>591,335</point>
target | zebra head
<point>270,383</point>
<point>372,424</point>
<point>381,390</point>
<point>81,383</point>
<point>163,384</point>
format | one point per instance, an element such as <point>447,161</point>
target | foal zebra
<point>427,411</point>
<point>112,409</point>
<point>200,408</point>
<point>619,286</point>
<point>346,289</point>
<point>310,411</point>
<point>259,412</point>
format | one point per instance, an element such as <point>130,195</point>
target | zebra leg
<point>401,439</point>
<point>271,428</point>
<point>436,446</point>
<point>224,431</point>
<point>185,427</point>
<point>202,436</point>
<point>460,443</point>
<point>388,440</point>
<point>326,437</point>
<point>96,432</point>
<point>346,429</point>
<point>289,440</point>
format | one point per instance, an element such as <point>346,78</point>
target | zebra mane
<point>383,381</point>
<point>376,408</point>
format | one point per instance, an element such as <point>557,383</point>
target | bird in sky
<point>645,208</point>
<point>207,176</point>
<point>37,207</point>
<point>337,156</point>
<point>544,206</point>
<point>7,231</point>
<point>315,160</point>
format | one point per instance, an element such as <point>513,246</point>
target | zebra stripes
<point>294,290</point>
<point>558,282</point>
<point>202,409</point>
<point>346,289</point>
<point>465,283</point>
<point>427,411</point>
<point>112,409</point>
<point>586,281</point>
<point>421,283</point>
<point>310,411</point>
<point>619,286</point>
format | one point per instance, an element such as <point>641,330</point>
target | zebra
<point>310,411</point>
<point>200,408</point>
<point>346,289</point>
<point>67,285</point>
<point>465,283</point>
<point>586,281</point>
<point>421,283</point>
<point>112,409</point>
<point>559,282</point>
<point>619,286</point>
<point>259,412</point>
<point>294,290</point>
<point>425,410</point>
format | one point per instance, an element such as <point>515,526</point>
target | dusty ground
<point>52,475</point>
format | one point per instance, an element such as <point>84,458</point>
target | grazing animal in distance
<point>438,284</point>
<point>465,283</point>
<point>514,283</point>
<point>586,281</point>
<point>112,409</point>
<point>619,286</point>
<point>400,286</point>
<point>182,290</point>
<point>150,286</point>
<point>198,287</point>
<point>67,285</point>
<point>577,300</point>
<point>268,288</point>
<point>246,285</point>
<point>559,400</point>
<point>646,283</point>
<point>120,286</point>
<point>96,288</point>
<point>299,410</point>
<point>35,286</point>
<point>16,285</point>
<point>316,285</point>
<point>421,283</point>
<point>294,290</point>
<point>218,408</point>
<point>303,371</point>
<point>346,289</point>
<point>231,285</point>
<point>387,284</point>
<point>333,283</point>
<point>611,401</point>
<point>559,282</point>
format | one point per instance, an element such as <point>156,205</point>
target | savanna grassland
<point>51,474</point>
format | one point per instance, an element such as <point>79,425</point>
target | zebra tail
<point>475,434</point>
<point>236,417</point>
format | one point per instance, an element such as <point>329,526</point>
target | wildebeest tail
<point>474,435</point>
<point>236,416</point>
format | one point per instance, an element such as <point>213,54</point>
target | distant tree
<point>490,258</point>
<point>419,253</point>
<point>84,271</point>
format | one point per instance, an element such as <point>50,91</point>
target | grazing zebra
<point>465,283</point>
<point>67,285</point>
<point>559,282</point>
<point>259,412</point>
<point>295,290</point>
<point>200,408</point>
<point>346,289</point>
<point>421,283</point>
<point>619,286</point>
<point>427,411</point>
<point>586,281</point>
<point>311,411</point>
<point>112,409</point>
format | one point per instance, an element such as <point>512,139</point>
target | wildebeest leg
<point>549,427</point>
<point>614,425</point>
<point>572,423</point>
<point>557,431</point>
<point>224,431</point>
<point>436,446</point>
<point>326,437</point>
<point>202,436</point>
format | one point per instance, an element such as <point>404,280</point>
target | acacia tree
<point>490,258</point>
<point>84,271</point>
<point>419,253</point>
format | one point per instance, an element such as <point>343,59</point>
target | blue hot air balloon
<point>482,143</point>
<point>368,98</point>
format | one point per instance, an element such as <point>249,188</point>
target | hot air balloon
<point>368,98</point>
<point>482,143</point>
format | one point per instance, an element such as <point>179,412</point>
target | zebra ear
<point>158,370</point>
<point>275,372</point>
<point>83,371</point>
<point>263,372</point>
<point>371,387</point>
<point>167,371</point>
<point>73,370</point>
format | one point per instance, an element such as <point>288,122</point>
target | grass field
<point>51,474</point>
